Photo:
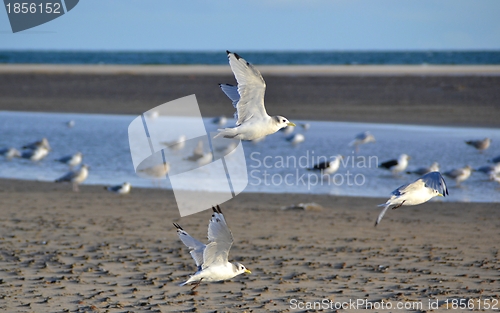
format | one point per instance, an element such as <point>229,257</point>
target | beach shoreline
<point>380,97</point>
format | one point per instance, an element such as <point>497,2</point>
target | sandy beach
<point>94,251</point>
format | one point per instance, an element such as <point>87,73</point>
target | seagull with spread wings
<point>212,258</point>
<point>420,191</point>
<point>252,120</point>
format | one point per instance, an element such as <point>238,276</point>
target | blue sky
<point>266,25</point>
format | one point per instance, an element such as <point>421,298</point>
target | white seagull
<point>295,139</point>
<point>10,153</point>
<point>361,139</point>
<point>198,152</point>
<point>220,120</point>
<point>177,144</point>
<point>122,189</point>
<point>253,122</point>
<point>424,170</point>
<point>495,159</point>
<point>326,167</point>
<point>459,174</point>
<point>396,166</point>
<point>75,177</point>
<point>212,258</point>
<point>422,190</point>
<point>156,171</point>
<point>71,160</point>
<point>489,169</point>
<point>36,154</point>
<point>37,144</point>
<point>480,145</point>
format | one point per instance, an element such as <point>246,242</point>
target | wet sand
<point>94,251</point>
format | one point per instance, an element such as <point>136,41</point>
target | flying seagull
<point>422,190</point>
<point>212,258</point>
<point>252,120</point>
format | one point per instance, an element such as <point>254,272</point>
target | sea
<point>264,58</point>
<point>273,165</point>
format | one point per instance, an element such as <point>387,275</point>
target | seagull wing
<point>68,176</point>
<point>232,92</point>
<point>221,240</point>
<point>435,181</point>
<point>196,247</point>
<point>251,88</point>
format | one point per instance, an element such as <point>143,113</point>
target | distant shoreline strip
<point>279,70</point>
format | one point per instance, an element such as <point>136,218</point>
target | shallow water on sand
<point>273,165</point>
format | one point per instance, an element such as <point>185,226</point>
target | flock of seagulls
<point>38,150</point>
<point>253,123</point>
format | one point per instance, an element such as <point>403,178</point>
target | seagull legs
<point>397,206</point>
<point>197,284</point>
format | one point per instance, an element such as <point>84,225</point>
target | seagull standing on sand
<point>328,168</point>
<point>122,189</point>
<point>396,166</point>
<point>480,145</point>
<point>424,170</point>
<point>75,177</point>
<point>459,174</point>
<point>253,122</point>
<point>361,139</point>
<point>212,259</point>
<point>71,160</point>
<point>422,190</point>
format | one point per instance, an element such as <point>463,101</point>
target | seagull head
<point>282,122</point>
<point>240,269</point>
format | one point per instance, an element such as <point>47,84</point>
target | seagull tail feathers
<point>226,133</point>
<point>381,215</point>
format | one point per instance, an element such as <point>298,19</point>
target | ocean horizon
<point>255,57</point>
